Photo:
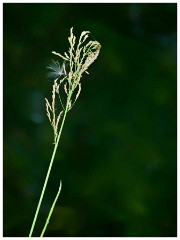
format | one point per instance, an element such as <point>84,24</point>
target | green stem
<point>51,210</point>
<point>49,169</point>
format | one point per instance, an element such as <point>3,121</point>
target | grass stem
<point>51,211</point>
<point>49,170</point>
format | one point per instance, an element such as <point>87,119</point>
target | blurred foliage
<point>117,155</point>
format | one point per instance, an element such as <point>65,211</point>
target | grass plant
<point>67,77</point>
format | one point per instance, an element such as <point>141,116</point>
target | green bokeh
<point>117,155</point>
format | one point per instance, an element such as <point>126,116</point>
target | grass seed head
<point>80,56</point>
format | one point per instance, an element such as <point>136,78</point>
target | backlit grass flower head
<point>79,57</point>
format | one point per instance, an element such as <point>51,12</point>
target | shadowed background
<point>117,154</point>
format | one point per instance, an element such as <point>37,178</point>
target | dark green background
<point>117,155</point>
